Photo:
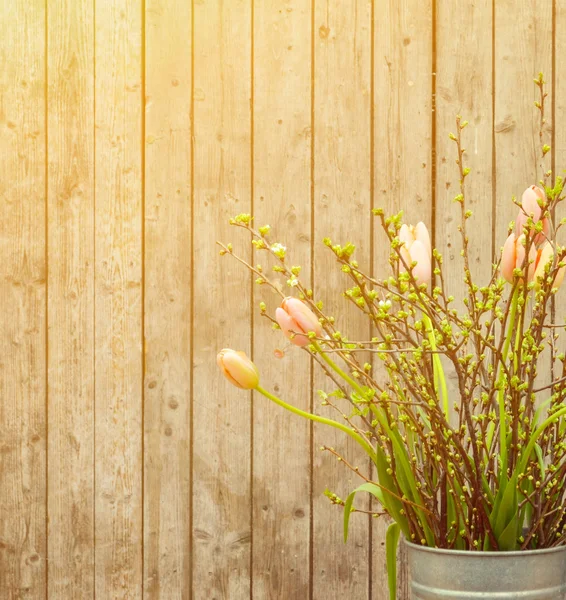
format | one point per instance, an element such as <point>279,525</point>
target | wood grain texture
<point>464,87</point>
<point>518,59</point>
<point>167,299</point>
<point>557,89</point>
<point>23,542</point>
<point>108,218</point>
<point>221,413</point>
<point>402,169</point>
<point>71,299</point>
<point>118,293</point>
<point>342,171</point>
<point>282,198</point>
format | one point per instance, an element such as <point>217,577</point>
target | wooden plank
<point>221,413</point>
<point>559,96</point>
<point>464,87</point>
<point>282,198</point>
<point>118,292</point>
<point>557,90</point>
<point>342,170</point>
<point>71,299</point>
<point>402,169</point>
<point>167,299</point>
<point>516,120</point>
<point>22,295</point>
<point>517,61</point>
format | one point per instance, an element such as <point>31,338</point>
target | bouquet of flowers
<point>481,467</point>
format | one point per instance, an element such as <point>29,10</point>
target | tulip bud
<point>296,320</point>
<point>513,257</point>
<point>545,255</point>
<point>530,208</point>
<point>238,369</point>
<point>416,248</point>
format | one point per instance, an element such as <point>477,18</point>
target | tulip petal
<point>422,271</point>
<point>543,236</point>
<point>242,371</point>
<point>289,326</point>
<point>303,315</point>
<point>546,256</point>
<point>406,236</point>
<point>520,222</point>
<point>529,202</point>
<point>406,256</point>
<point>422,235</point>
<point>508,257</point>
<point>284,321</point>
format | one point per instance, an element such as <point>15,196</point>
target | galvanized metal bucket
<point>437,574</point>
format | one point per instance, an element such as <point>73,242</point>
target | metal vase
<point>437,574</point>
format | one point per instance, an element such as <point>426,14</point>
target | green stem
<point>356,436</point>
<point>437,366</point>
<point>501,393</point>
<point>353,383</point>
<point>401,450</point>
<point>534,437</point>
<point>517,342</point>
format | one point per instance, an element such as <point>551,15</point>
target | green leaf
<point>393,505</point>
<point>391,544</point>
<point>539,410</point>
<point>508,538</point>
<point>401,458</point>
<point>538,452</point>
<point>366,487</point>
<point>505,528</point>
<point>402,463</point>
<point>490,432</point>
<point>486,488</point>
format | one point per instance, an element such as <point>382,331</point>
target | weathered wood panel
<point>402,159</point>
<point>342,211</point>
<point>518,59</point>
<point>23,540</point>
<point>131,131</point>
<point>118,300</point>
<point>167,259</point>
<point>222,441</point>
<point>71,234</point>
<point>282,198</point>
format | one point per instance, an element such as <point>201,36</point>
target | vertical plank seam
<point>311,367</point>
<point>553,67</point>
<point>46,258</point>
<point>94,301</point>
<point>143,282</point>
<point>493,147</point>
<point>371,248</point>
<point>192,304</point>
<point>553,143</point>
<point>252,191</point>
<point>433,125</point>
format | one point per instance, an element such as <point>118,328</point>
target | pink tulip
<point>416,248</point>
<point>530,208</point>
<point>296,320</point>
<point>238,369</point>
<point>513,256</point>
<point>544,256</point>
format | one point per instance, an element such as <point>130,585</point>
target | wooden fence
<point>130,131</point>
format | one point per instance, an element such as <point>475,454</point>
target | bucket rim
<point>498,554</point>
